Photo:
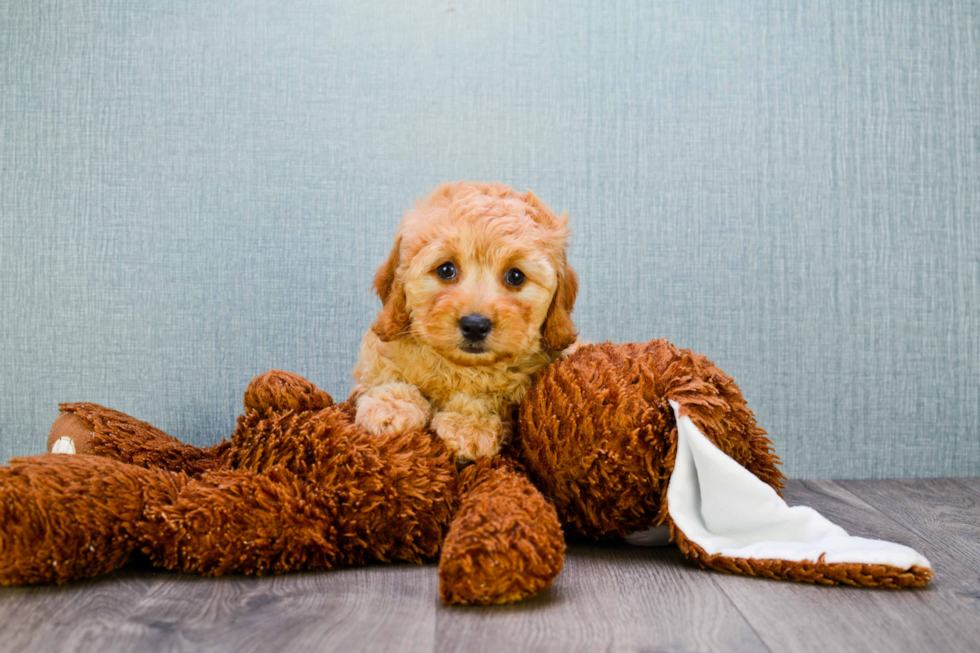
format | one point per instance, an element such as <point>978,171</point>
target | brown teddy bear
<point>299,486</point>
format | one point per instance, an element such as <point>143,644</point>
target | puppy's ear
<point>558,330</point>
<point>393,319</point>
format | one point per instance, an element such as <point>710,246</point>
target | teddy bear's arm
<point>505,543</point>
<point>279,392</point>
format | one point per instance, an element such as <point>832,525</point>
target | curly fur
<point>413,368</point>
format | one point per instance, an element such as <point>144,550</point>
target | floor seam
<point>741,614</point>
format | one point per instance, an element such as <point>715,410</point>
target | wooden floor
<point>608,598</point>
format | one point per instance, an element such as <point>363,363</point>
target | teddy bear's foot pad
<point>69,434</point>
<point>63,445</point>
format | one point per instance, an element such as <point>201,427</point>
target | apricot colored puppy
<point>477,296</point>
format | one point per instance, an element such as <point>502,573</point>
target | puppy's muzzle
<point>475,327</point>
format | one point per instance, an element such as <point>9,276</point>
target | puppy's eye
<point>514,278</point>
<point>446,271</point>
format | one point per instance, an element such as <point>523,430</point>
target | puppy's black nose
<point>475,327</point>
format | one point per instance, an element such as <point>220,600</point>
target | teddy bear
<point>297,487</point>
<point>602,437</point>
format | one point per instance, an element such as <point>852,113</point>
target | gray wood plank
<point>608,598</point>
<point>973,484</point>
<point>364,609</point>
<point>799,617</point>
<point>73,617</point>
<point>945,514</point>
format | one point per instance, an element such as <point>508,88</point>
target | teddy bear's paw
<point>505,543</point>
<point>278,391</point>
<point>69,434</point>
<point>470,437</point>
<point>392,407</point>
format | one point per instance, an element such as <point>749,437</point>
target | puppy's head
<point>478,272</point>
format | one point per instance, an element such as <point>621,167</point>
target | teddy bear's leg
<point>92,429</point>
<point>69,517</point>
<point>505,543</point>
<point>279,392</point>
<point>99,431</point>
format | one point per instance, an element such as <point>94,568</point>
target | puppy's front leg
<point>471,427</point>
<point>397,407</point>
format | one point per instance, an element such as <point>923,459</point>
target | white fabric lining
<point>725,509</point>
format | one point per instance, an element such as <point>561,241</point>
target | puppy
<point>477,297</point>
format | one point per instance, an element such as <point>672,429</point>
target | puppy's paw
<point>392,407</point>
<point>469,437</point>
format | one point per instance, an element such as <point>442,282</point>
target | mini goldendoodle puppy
<point>477,296</point>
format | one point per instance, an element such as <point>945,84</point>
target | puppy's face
<point>478,273</point>
<point>477,293</point>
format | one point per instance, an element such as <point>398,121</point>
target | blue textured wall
<point>194,192</point>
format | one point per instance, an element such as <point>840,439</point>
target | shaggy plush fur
<point>500,509</point>
<point>598,433</point>
<point>416,366</point>
<point>298,487</point>
<point>599,438</point>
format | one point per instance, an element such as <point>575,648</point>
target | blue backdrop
<point>195,192</point>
